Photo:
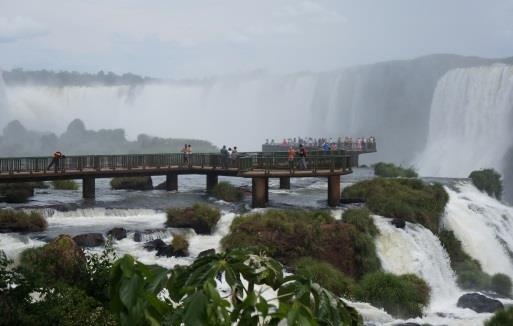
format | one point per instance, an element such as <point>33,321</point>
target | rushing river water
<point>411,250</point>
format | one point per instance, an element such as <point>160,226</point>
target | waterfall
<point>417,250</point>
<point>470,122</point>
<point>483,225</point>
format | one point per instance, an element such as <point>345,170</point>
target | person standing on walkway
<point>234,156</point>
<point>291,156</point>
<point>188,154</point>
<point>184,152</point>
<point>302,155</point>
<point>224,157</point>
<point>56,159</point>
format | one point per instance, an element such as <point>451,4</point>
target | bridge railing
<point>243,162</point>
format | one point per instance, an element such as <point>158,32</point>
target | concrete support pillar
<point>88,188</point>
<point>172,182</point>
<point>260,192</point>
<point>212,180</point>
<point>333,190</point>
<point>284,182</point>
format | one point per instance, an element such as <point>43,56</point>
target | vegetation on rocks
<point>201,217</point>
<point>489,181</point>
<point>501,318</point>
<point>501,284</point>
<point>132,183</point>
<point>389,170</point>
<point>403,296</point>
<point>361,219</point>
<point>409,199</point>
<point>20,221</point>
<point>16,192</point>
<point>227,192</point>
<point>180,245</point>
<point>65,184</point>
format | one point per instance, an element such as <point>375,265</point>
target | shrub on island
<point>201,217</point>
<point>20,221</point>
<point>403,296</point>
<point>227,192</point>
<point>409,199</point>
<point>180,245</point>
<point>16,193</point>
<point>501,318</point>
<point>389,170</point>
<point>326,275</point>
<point>132,183</point>
<point>489,181</point>
<point>65,184</point>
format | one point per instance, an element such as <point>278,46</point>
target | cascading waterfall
<point>483,225</point>
<point>417,250</point>
<point>470,123</point>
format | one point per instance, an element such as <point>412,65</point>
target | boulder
<point>138,236</point>
<point>207,252</point>
<point>479,303</point>
<point>398,223</point>
<point>160,246</point>
<point>161,186</point>
<point>117,233</point>
<point>89,240</point>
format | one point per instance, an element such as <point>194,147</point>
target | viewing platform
<point>259,166</point>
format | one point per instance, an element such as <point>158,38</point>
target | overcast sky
<point>193,38</point>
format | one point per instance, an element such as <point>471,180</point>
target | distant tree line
<point>18,76</point>
<point>16,140</point>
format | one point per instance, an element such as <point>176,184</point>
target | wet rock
<point>89,240</point>
<point>117,233</point>
<point>407,324</point>
<point>479,303</point>
<point>207,252</point>
<point>161,186</point>
<point>398,223</point>
<point>138,236</point>
<point>160,246</point>
<point>352,200</point>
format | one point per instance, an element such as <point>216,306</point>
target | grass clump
<point>489,181</point>
<point>19,221</point>
<point>65,184</point>
<point>361,219</point>
<point>389,170</point>
<point>180,244</point>
<point>16,193</point>
<point>132,183</point>
<point>325,275</point>
<point>410,199</point>
<point>227,192</point>
<point>501,318</point>
<point>201,217</point>
<point>403,296</point>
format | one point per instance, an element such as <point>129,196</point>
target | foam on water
<point>13,244</point>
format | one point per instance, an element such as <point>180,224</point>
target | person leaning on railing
<point>57,157</point>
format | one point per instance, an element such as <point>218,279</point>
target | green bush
<point>132,183</point>
<point>365,254</point>
<point>180,243</point>
<point>389,170</point>
<point>410,199</point>
<point>361,219</point>
<point>20,221</point>
<point>326,275</point>
<point>402,296</point>
<point>200,217</point>
<point>501,284</point>
<point>488,180</point>
<point>16,192</point>
<point>227,192</point>
<point>501,318</point>
<point>65,185</point>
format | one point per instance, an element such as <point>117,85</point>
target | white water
<point>417,250</point>
<point>483,225</point>
<point>470,123</point>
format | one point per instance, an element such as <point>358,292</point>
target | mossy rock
<point>200,217</point>
<point>409,199</point>
<point>326,275</point>
<point>227,192</point>
<point>489,181</point>
<point>501,318</point>
<point>20,221</point>
<point>180,245</point>
<point>65,185</point>
<point>61,260</point>
<point>16,193</point>
<point>132,183</point>
<point>403,296</point>
<point>389,170</point>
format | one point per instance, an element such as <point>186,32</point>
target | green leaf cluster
<point>501,318</point>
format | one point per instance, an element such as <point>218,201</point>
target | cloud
<point>19,28</point>
<point>310,10</point>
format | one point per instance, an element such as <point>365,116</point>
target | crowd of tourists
<point>326,143</point>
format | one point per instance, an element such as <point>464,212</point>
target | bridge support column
<point>172,182</point>
<point>212,180</point>
<point>333,190</point>
<point>260,192</point>
<point>284,182</point>
<point>88,188</point>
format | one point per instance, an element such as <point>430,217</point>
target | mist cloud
<point>19,28</point>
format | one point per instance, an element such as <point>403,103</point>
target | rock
<point>138,236</point>
<point>160,246</point>
<point>352,200</point>
<point>161,186</point>
<point>89,240</point>
<point>207,252</point>
<point>398,223</point>
<point>117,233</point>
<point>479,303</point>
<point>407,324</point>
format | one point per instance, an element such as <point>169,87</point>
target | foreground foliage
<point>487,180</point>
<point>65,184</point>
<point>227,192</point>
<point>402,296</point>
<point>195,300</point>
<point>20,221</point>
<point>501,318</point>
<point>201,217</point>
<point>409,199</point>
<point>389,170</point>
